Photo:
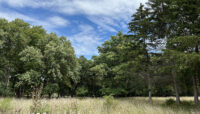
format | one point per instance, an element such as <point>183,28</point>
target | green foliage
<point>170,102</point>
<point>30,78</point>
<point>6,92</point>
<point>109,103</point>
<point>184,43</point>
<point>109,100</point>
<point>32,58</point>
<point>183,104</point>
<point>51,88</point>
<point>82,91</point>
<point>114,91</point>
<point>29,57</point>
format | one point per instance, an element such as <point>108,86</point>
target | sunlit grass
<point>132,105</point>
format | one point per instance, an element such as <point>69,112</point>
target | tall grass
<point>133,105</point>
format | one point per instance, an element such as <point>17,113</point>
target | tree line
<point>159,56</point>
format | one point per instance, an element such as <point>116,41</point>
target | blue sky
<point>86,23</point>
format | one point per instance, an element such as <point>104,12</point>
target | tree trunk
<point>197,49</point>
<point>71,92</point>
<point>22,94</point>
<point>196,100</point>
<point>19,93</point>
<point>28,96</point>
<point>58,95</point>
<point>7,78</point>
<point>49,95</point>
<point>176,91</point>
<point>149,89</point>
<point>149,76</point>
<point>176,87</point>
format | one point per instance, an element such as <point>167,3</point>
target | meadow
<point>132,105</point>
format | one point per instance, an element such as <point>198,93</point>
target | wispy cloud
<point>88,7</point>
<point>50,23</point>
<point>58,21</point>
<point>104,23</point>
<point>110,11</point>
<point>86,42</point>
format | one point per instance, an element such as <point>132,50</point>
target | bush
<point>5,105</point>
<point>183,104</point>
<point>170,102</point>
<point>187,104</point>
<point>109,103</point>
<point>109,100</point>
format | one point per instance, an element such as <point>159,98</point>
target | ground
<point>133,105</point>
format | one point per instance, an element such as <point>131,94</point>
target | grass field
<point>133,105</point>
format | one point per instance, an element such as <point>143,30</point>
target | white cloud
<point>104,13</point>
<point>105,23</point>
<point>58,21</point>
<point>50,23</point>
<point>88,7</point>
<point>28,3</point>
<point>9,15</point>
<point>86,42</point>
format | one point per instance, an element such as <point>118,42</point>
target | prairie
<point>132,105</point>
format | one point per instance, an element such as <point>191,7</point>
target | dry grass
<point>133,105</point>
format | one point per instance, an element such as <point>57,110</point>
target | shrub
<point>109,103</point>
<point>187,104</point>
<point>109,100</point>
<point>170,102</point>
